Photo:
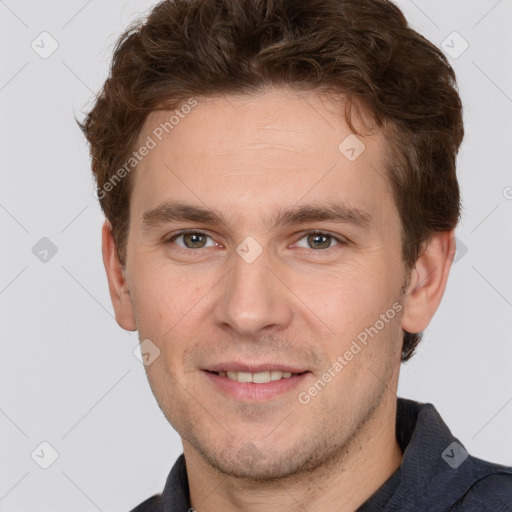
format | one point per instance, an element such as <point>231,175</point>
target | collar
<point>436,470</point>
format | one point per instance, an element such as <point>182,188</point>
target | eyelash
<point>302,235</point>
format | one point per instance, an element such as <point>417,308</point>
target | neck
<point>342,483</point>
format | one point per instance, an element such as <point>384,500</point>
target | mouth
<point>256,386</point>
<point>262,377</point>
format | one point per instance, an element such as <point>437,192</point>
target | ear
<point>119,293</point>
<point>428,281</point>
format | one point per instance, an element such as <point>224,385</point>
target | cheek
<point>170,304</point>
<point>345,298</point>
<point>165,294</point>
<point>350,303</point>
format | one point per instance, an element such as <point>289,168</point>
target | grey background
<point>68,373</point>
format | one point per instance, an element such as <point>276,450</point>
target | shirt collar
<point>436,470</point>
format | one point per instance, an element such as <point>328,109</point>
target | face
<point>271,282</point>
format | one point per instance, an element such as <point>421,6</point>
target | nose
<point>254,298</point>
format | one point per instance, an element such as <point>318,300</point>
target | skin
<point>247,156</point>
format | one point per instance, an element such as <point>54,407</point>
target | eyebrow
<point>175,211</point>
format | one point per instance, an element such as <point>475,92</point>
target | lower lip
<point>249,391</point>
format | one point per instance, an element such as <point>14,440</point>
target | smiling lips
<point>258,374</point>
<point>257,387</point>
<point>255,382</point>
<point>258,377</point>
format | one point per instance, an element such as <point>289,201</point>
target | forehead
<point>284,119</point>
<point>275,148</point>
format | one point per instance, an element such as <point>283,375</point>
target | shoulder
<point>153,504</point>
<point>175,496</point>
<point>490,493</point>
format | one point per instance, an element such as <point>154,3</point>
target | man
<point>279,184</point>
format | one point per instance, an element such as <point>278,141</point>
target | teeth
<point>257,378</point>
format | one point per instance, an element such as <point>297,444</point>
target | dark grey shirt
<point>436,474</point>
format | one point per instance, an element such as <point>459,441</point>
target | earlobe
<point>428,282</point>
<point>117,285</point>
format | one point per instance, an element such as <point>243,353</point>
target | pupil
<point>319,237</point>
<point>194,237</point>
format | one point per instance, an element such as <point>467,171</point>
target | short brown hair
<point>363,49</point>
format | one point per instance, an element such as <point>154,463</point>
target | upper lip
<point>233,366</point>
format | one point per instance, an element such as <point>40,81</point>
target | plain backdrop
<point>69,376</point>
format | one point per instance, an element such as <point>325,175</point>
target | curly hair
<point>363,49</point>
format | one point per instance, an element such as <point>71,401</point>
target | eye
<point>320,240</point>
<point>198,240</point>
<point>192,240</point>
